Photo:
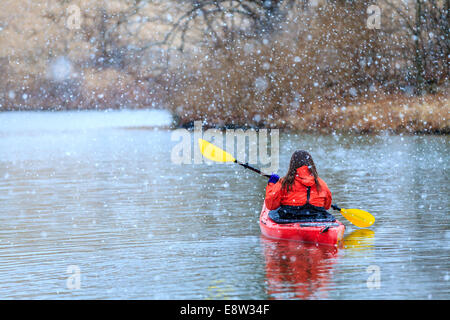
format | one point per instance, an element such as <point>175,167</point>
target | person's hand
<point>274,178</point>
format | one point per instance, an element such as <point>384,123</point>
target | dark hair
<point>299,159</point>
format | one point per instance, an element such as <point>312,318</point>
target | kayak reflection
<point>297,270</point>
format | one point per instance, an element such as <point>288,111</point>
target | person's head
<point>299,159</point>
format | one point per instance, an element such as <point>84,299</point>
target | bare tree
<point>428,26</point>
<point>220,21</point>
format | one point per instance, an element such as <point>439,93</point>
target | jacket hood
<point>305,177</point>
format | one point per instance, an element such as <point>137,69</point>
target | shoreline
<point>392,114</point>
<point>386,114</point>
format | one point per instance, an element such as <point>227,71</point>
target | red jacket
<point>276,196</point>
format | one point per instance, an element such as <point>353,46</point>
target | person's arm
<point>328,200</point>
<point>273,193</point>
<point>328,197</point>
<point>326,190</point>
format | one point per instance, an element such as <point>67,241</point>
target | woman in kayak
<point>300,194</point>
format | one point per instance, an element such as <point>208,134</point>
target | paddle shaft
<point>246,166</point>
<point>335,207</point>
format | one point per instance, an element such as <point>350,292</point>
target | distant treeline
<point>326,67</point>
<point>291,63</point>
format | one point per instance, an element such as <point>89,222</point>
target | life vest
<point>303,202</point>
<point>298,194</point>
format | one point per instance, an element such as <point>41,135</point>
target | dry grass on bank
<point>393,113</point>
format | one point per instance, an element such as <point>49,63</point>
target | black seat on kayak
<point>306,213</point>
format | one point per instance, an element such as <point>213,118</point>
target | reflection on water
<point>98,191</point>
<point>219,290</point>
<point>297,270</point>
<point>359,239</point>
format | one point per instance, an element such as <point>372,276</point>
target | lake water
<point>95,194</point>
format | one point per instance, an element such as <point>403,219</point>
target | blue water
<point>98,191</point>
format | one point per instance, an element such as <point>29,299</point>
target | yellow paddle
<point>211,152</point>
<point>359,218</point>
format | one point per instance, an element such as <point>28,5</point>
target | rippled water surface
<point>96,192</point>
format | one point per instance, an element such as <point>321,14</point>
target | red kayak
<point>330,233</point>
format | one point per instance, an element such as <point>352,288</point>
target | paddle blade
<point>359,218</point>
<point>211,152</point>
